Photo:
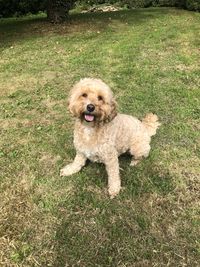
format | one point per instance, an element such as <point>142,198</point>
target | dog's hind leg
<point>139,150</point>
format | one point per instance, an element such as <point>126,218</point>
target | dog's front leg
<point>75,166</point>
<point>114,181</point>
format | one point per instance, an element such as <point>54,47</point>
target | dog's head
<point>91,100</point>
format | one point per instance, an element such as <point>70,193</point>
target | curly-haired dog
<point>101,134</point>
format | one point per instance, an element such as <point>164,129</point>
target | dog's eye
<point>84,95</point>
<point>100,98</point>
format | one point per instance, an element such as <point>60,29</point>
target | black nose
<point>90,107</point>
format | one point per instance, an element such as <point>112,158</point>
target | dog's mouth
<point>88,117</point>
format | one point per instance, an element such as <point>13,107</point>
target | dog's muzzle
<point>88,116</point>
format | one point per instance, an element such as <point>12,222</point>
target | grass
<point>150,58</point>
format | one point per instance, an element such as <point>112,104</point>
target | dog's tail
<point>151,123</point>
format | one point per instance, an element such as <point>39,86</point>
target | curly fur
<point>109,134</point>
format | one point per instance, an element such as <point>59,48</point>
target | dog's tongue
<point>89,117</point>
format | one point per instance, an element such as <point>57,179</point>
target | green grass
<point>150,58</point>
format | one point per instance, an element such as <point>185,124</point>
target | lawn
<point>151,60</point>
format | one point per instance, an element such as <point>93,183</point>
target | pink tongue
<point>89,117</point>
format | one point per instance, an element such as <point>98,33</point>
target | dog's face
<point>91,100</point>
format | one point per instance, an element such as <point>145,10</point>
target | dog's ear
<point>113,109</point>
<point>69,102</point>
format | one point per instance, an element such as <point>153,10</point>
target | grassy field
<point>151,60</point>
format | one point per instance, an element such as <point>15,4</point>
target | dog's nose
<point>90,107</point>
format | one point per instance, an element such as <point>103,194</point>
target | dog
<point>101,134</point>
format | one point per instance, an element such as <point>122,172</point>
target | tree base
<point>57,12</point>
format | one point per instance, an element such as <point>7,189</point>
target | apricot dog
<point>101,134</point>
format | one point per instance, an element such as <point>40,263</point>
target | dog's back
<point>134,135</point>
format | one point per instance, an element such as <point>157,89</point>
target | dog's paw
<point>113,192</point>
<point>135,162</point>
<point>66,171</point>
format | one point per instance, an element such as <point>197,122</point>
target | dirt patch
<point>102,9</point>
<point>49,160</point>
<point>10,85</point>
<point>16,123</point>
<point>25,82</point>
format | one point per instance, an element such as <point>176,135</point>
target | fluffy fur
<point>102,134</point>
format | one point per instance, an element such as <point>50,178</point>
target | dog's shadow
<point>146,177</point>
<point>91,210</point>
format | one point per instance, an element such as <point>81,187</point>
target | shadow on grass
<point>93,230</point>
<point>144,178</point>
<point>14,30</point>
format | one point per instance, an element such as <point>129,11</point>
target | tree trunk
<point>57,10</point>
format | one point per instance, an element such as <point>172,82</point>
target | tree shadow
<point>14,30</point>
